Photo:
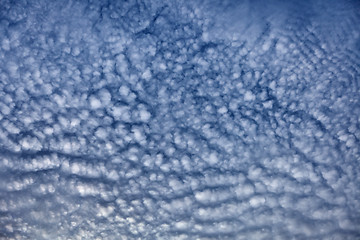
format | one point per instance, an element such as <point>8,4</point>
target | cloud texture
<point>179,119</point>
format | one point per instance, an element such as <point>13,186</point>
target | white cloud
<point>95,103</point>
<point>249,96</point>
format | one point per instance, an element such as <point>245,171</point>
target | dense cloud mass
<point>146,119</point>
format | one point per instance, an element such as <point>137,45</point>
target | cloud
<point>178,120</point>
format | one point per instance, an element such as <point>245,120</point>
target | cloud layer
<point>175,120</point>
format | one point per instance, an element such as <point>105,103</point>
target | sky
<point>175,119</point>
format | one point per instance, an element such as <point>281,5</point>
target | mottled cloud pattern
<point>148,119</point>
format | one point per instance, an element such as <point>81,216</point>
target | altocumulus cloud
<point>148,119</point>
